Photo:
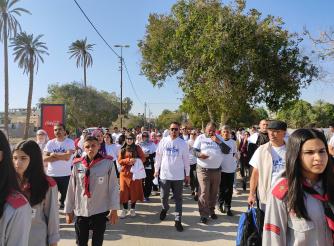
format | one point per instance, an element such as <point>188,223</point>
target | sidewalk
<point>147,229</point>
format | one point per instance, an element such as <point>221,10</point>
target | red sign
<point>52,114</point>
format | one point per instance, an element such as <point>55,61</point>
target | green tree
<point>296,114</point>
<point>9,26</point>
<point>223,58</point>
<point>323,113</point>
<point>85,106</point>
<point>80,50</point>
<point>28,52</point>
<point>166,117</point>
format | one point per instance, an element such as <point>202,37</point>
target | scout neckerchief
<point>324,199</point>
<point>88,165</point>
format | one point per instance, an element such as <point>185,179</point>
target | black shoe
<point>214,216</point>
<point>61,206</point>
<point>204,220</point>
<point>178,225</point>
<point>229,212</point>
<point>196,198</point>
<point>193,193</point>
<point>244,185</point>
<point>163,214</point>
<point>222,209</point>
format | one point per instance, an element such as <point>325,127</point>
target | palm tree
<point>8,29</point>
<point>28,52</point>
<point>80,50</point>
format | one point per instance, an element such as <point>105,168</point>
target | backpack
<point>250,228</point>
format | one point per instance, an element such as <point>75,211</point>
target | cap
<point>145,134</point>
<point>277,125</point>
<point>41,132</point>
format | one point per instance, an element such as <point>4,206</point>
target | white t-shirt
<point>148,148</point>
<point>59,168</point>
<point>192,158</point>
<point>278,156</point>
<point>229,163</point>
<point>210,148</point>
<point>331,141</point>
<point>115,136</point>
<point>172,159</point>
<point>110,150</point>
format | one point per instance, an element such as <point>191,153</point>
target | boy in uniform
<point>93,194</point>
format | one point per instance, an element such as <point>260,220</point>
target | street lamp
<point>121,57</point>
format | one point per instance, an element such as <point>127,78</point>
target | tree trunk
<point>224,117</point>
<point>211,117</point>
<point>85,84</point>
<point>5,49</point>
<point>31,86</point>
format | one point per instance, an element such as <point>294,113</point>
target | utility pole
<point>121,58</point>
<point>145,105</point>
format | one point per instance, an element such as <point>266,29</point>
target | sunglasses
<point>174,129</point>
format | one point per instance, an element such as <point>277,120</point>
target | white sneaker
<point>123,214</point>
<point>236,192</point>
<point>132,212</point>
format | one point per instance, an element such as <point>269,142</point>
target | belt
<point>208,169</point>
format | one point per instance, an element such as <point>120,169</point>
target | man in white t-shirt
<point>58,153</point>
<point>228,168</point>
<point>331,140</point>
<point>116,134</point>
<point>207,149</point>
<point>268,163</point>
<point>172,165</point>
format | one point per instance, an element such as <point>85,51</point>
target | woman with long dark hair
<point>300,211</point>
<point>15,211</point>
<point>244,159</point>
<point>130,190</point>
<point>41,192</point>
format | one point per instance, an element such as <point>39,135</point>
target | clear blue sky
<point>123,22</point>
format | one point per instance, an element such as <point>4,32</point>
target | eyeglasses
<point>174,129</point>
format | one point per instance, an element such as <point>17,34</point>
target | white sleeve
<point>254,161</point>
<point>331,142</point>
<point>158,157</point>
<point>197,144</point>
<point>47,147</point>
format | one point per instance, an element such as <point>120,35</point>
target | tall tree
<point>225,58</point>
<point>85,106</point>
<point>80,50</point>
<point>9,26</point>
<point>28,52</point>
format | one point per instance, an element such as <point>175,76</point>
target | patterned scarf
<point>324,199</point>
<point>88,165</point>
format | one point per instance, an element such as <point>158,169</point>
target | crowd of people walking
<point>102,175</point>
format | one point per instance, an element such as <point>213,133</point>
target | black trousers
<point>148,182</point>
<point>62,183</point>
<point>96,223</point>
<point>193,178</point>
<point>226,189</point>
<point>244,165</point>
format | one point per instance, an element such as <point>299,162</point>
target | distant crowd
<point>102,175</point>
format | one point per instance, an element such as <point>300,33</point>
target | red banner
<point>52,114</point>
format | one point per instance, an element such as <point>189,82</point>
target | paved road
<point>147,229</point>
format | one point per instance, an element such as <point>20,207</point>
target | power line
<point>97,31</point>
<point>133,88</point>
